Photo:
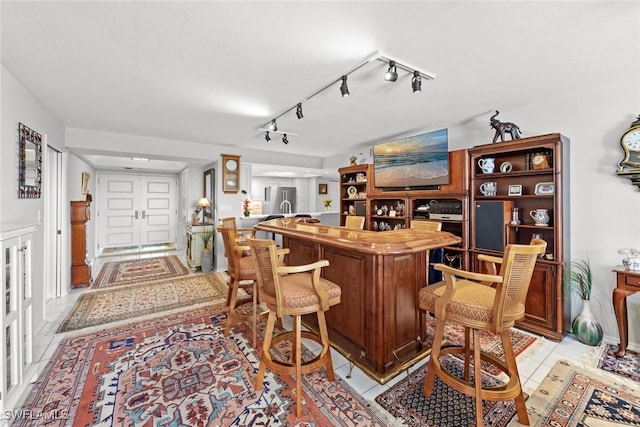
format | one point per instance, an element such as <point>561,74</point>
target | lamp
<point>392,73</point>
<point>299,111</point>
<point>344,90</point>
<point>266,136</point>
<point>202,204</point>
<point>273,125</point>
<point>284,139</point>
<point>416,82</point>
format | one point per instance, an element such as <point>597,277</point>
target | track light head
<point>266,136</point>
<point>392,73</point>
<point>299,111</point>
<point>273,126</point>
<point>284,139</point>
<point>416,82</point>
<point>344,90</point>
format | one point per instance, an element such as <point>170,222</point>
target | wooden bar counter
<point>378,325</point>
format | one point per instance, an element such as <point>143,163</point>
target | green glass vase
<point>585,326</point>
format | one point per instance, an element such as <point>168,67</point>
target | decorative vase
<point>326,208</point>
<point>247,213</point>
<point>585,327</point>
<point>206,260</point>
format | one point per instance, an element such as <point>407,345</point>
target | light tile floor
<point>533,364</point>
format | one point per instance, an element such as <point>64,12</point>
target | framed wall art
<point>29,163</point>
<point>322,189</point>
<point>86,180</point>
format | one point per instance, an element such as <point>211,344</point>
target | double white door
<point>136,210</point>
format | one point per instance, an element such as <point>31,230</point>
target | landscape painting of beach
<point>415,161</point>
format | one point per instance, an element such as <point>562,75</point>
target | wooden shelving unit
<point>525,188</point>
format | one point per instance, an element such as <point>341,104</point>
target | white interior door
<point>135,210</point>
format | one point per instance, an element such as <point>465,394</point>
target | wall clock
<point>230,173</point>
<point>630,142</point>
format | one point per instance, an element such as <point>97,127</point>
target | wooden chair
<point>240,233</point>
<point>420,224</point>
<point>294,291</point>
<point>469,299</point>
<point>354,222</point>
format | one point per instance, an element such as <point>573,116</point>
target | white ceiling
<point>213,72</point>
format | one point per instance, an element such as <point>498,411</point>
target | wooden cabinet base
<point>80,276</point>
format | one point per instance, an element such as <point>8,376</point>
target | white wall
<point>19,106</point>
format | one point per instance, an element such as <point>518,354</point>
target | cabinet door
<point>539,306</point>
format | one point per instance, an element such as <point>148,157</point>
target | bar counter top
<point>405,240</point>
<point>378,325</point>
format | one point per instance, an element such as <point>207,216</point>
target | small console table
<point>627,283</point>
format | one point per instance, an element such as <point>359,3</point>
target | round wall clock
<point>230,173</point>
<point>630,142</point>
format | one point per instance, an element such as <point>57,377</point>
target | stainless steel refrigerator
<point>279,200</point>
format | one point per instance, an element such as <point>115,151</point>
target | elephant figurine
<point>503,128</point>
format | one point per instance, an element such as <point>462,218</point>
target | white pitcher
<point>487,164</point>
<point>540,216</point>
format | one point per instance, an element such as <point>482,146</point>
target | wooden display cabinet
<point>530,173</point>
<point>355,183</point>
<point>80,270</point>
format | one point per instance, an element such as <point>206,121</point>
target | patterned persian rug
<point>627,366</point>
<point>151,299</point>
<point>573,396</point>
<point>446,407</point>
<point>454,335</point>
<point>179,370</point>
<point>137,271</point>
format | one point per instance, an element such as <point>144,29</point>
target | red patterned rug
<point>573,396</point>
<point>627,366</point>
<point>137,271</point>
<point>446,407</point>
<point>179,370</point>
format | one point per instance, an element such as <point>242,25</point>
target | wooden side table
<point>627,283</point>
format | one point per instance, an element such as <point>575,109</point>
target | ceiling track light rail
<point>390,75</point>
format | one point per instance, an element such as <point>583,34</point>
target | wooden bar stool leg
<point>512,367</point>
<point>324,336</point>
<point>434,358</point>
<point>467,354</point>
<point>255,312</point>
<point>266,345</point>
<point>231,315</point>
<point>298,353</point>
<point>477,373</point>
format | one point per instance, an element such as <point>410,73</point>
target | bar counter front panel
<point>378,325</point>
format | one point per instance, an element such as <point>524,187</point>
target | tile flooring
<point>534,363</point>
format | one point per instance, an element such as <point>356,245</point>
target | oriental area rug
<point>122,273</point>
<point>445,407</point>
<point>119,304</point>
<point>573,396</point>
<point>179,370</point>
<point>627,366</point>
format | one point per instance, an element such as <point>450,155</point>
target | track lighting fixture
<point>391,76</point>
<point>392,73</point>
<point>344,90</point>
<point>416,82</point>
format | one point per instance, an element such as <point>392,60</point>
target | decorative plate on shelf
<point>543,188</point>
<point>352,192</point>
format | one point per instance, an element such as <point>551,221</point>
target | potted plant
<point>580,280</point>
<point>245,204</point>
<point>352,160</point>
<point>206,256</point>
<point>327,204</point>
